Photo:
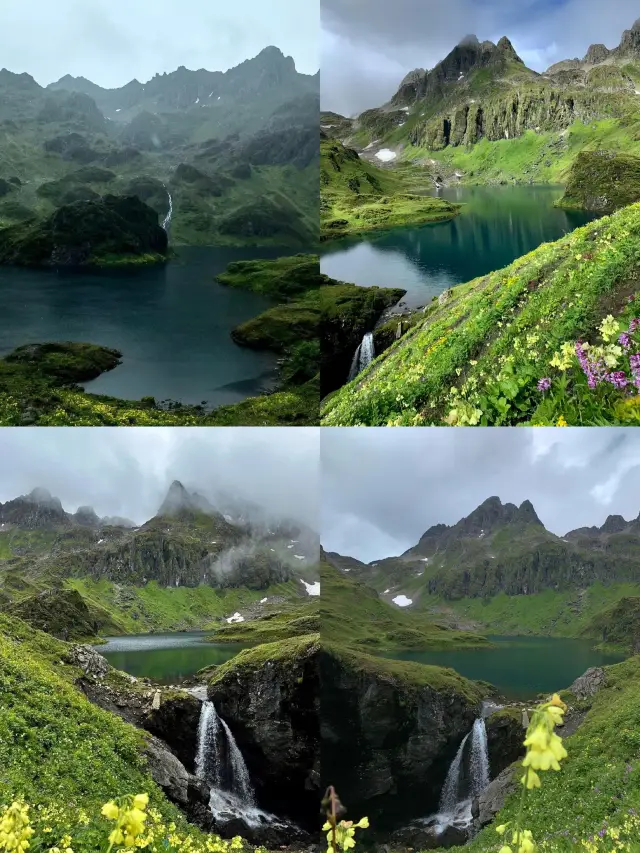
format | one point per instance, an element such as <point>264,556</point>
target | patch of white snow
<point>386,155</point>
<point>298,557</point>
<point>312,588</point>
<point>263,600</point>
<point>235,618</point>
<point>197,101</point>
<point>402,601</point>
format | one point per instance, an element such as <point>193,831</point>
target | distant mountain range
<point>232,155</point>
<point>502,548</point>
<point>187,543</point>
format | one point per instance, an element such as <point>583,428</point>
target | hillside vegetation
<point>550,339</point>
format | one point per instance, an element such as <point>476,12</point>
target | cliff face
<point>269,698</point>
<point>389,733</point>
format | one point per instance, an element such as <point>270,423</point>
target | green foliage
<point>602,181</point>
<point>285,622</point>
<point>282,279</point>
<point>478,358</point>
<point>357,196</point>
<point>353,615</point>
<point>280,652</point>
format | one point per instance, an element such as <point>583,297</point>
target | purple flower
<point>618,379</point>
<point>634,361</point>
<point>624,340</point>
<point>544,384</point>
<point>634,324</point>
<point>595,371</point>
<point>602,833</point>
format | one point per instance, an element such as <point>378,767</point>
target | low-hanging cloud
<point>113,41</point>
<point>127,472</point>
<point>383,488</point>
<point>369,45</point>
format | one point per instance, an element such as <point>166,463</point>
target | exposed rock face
<point>596,54</point>
<point>493,798</point>
<point>37,509</point>
<point>94,666</point>
<point>176,723</point>
<point>185,790</point>
<point>603,181</point>
<point>589,683</point>
<point>505,736</point>
<point>388,743</point>
<point>425,835</point>
<point>60,612</point>
<point>272,708</point>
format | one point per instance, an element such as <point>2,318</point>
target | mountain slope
<point>208,150</point>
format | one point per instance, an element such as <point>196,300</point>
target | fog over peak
<point>129,473</point>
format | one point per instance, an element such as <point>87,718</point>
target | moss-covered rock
<point>269,697</point>
<point>63,613</point>
<point>110,230</point>
<point>603,181</point>
<point>618,626</point>
<point>65,363</point>
<point>282,279</point>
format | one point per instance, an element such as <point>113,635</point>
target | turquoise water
<point>165,658</point>
<point>497,225</point>
<point>521,667</point>
<point>172,324</point>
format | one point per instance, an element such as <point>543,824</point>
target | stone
<point>589,683</point>
<point>492,799</point>
<point>90,662</point>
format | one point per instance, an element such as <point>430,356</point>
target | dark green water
<point>165,658</point>
<point>497,225</point>
<point>170,322</point>
<point>521,667</point>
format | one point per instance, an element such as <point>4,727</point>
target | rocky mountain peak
<point>178,499</point>
<point>596,54</point>
<point>469,40</point>
<point>43,497</point>
<point>507,50</point>
<point>613,524</point>
<point>86,516</point>
<point>492,513</point>
<point>631,40</point>
<point>37,509</point>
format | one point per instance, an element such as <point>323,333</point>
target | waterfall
<point>167,220</point>
<point>468,774</point>
<point>218,759</point>
<point>364,355</point>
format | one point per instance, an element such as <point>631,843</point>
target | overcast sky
<point>112,41</point>
<point>369,45</point>
<point>383,488</point>
<point>127,472</point>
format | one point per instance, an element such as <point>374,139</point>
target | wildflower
<point>15,830</point>
<point>625,340</point>
<point>618,379</point>
<point>130,819</point>
<point>563,359</point>
<point>561,421</point>
<point>609,328</point>
<point>544,384</point>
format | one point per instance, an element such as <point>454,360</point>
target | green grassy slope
<point>602,181</point>
<point>352,615</point>
<point>478,358</point>
<point>594,799</point>
<point>357,196</point>
<point>59,753</point>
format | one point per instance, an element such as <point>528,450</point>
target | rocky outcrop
<point>389,733</point>
<point>182,788</point>
<point>176,723</point>
<point>589,683</point>
<point>37,509</point>
<point>86,233</point>
<point>505,737</point>
<point>63,613</point>
<point>602,181</point>
<point>493,798</point>
<point>269,698</point>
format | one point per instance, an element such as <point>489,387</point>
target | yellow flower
<point>561,422</point>
<point>140,801</point>
<point>110,810</point>
<point>609,328</point>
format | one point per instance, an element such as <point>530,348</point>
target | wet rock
<point>182,788</point>
<point>492,799</point>
<point>176,722</point>
<point>428,835</point>
<point>90,662</point>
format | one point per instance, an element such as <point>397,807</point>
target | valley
<point>118,210</point>
<point>499,141</point>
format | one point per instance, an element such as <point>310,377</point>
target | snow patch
<point>312,588</point>
<point>102,540</point>
<point>197,101</point>
<point>386,155</point>
<point>424,559</point>
<point>235,618</point>
<point>120,110</point>
<point>386,591</point>
<point>402,601</point>
<point>298,557</point>
<point>405,109</point>
<point>263,600</point>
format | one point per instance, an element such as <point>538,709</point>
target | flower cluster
<point>341,837</point>
<point>15,829</point>
<point>545,751</point>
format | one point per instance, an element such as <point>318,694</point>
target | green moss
<point>63,613</point>
<point>255,658</point>
<point>602,181</point>
<point>357,196</point>
<point>293,620</point>
<point>281,279</point>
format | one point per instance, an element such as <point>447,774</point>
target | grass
<point>598,788</point>
<point>292,620</point>
<point>478,358</point>
<point>602,181</point>
<point>357,196</point>
<point>58,752</point>
<point>352,615</point>
<point>283,651</point>
<point>138,609</point>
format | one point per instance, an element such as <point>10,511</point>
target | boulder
<point>182,788</point>
<point>589,683</point>
<point>492,799</point>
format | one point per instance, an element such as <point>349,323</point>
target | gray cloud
<point>382,488</point>
<point>112,41</point>
<point>369,45</point>
<point>127,472</point>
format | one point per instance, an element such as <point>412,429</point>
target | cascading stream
<point>167,220</point>
<point>364,355</point>
<point>219,761</point>
<point>468,776</point>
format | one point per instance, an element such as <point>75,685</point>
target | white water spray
<point>363,356</point>
<point>167,220</point>
<point>467,778</point>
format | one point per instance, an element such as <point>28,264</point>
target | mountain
<point>503,548</point>
<point>250,132</point>
<point>188,545</point>
<point>483,92</point>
